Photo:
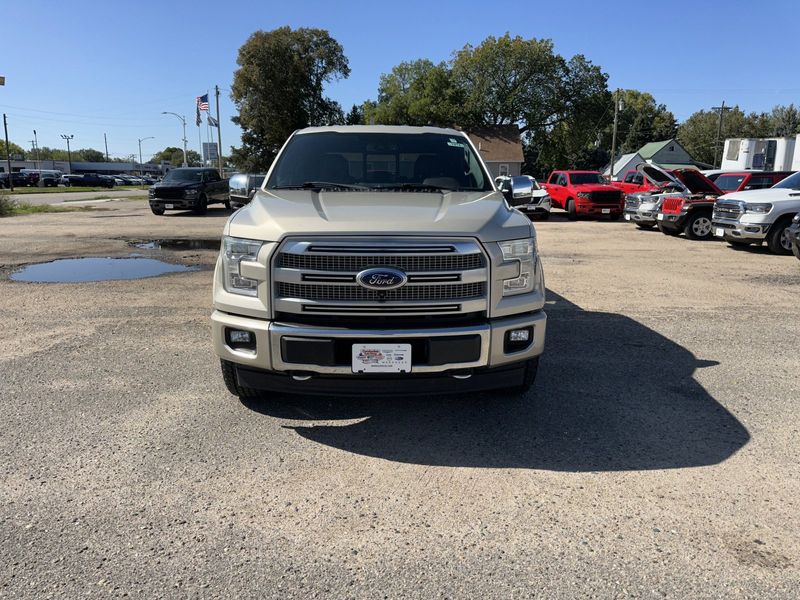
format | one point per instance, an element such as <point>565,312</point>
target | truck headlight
<point>189,193</point>
<point>234,251</point>
<point>524,252</point>
<point>760,208</point>
<point>584,194</point>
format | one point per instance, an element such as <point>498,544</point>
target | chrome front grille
<point>727,209</point>
<point>319,276</point>
<point>632,202</point>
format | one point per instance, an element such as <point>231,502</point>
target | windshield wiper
<point>417,186</point>
<point>313,185</point>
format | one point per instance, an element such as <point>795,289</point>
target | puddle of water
<point>178,244</point>
<point>78,270</point>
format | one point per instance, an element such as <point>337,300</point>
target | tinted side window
<point>562,179</point>
<point>553,179</point>
<point>759,182</point>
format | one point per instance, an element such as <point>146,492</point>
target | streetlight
<point>183,120</point>
<point>64,136</point>
<point>140,151</point>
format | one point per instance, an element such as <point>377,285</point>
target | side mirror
<point>521,189</point>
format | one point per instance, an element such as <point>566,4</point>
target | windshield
<point>792,182</point>
<point>729,183</point>
<point>184,175</point>
<point>581,178</point>
<point>368,161</point>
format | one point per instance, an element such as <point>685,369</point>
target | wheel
<point>666,231</point>
<point>796,251</point>
<point>572,212</point>
<point>545,215</point>
<point>698,226</point>
<point>645,226</point>
<point>232,383</point>
<point>778,240</point>
<point>157,211</point>
<point>738,243</point>
<point>614,217</point>
<point>202,205</point>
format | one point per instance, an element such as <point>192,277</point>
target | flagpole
<point>200,141</point>
<point>219,135</point>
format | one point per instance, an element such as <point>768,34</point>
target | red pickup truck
<point>633,182</point>
<point>584,193</point>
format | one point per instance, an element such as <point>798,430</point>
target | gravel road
<point>656,456</point>
<point>59,197</point>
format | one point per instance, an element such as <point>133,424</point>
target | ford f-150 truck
<point>378,260</point>
<point>584,193</point>
<point>191,188</point>
<point>757,216</point>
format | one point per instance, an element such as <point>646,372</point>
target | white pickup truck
<point>378,260</point>
<point>757,216</point>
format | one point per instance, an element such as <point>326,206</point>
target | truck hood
<point>273,214</point>
<point>767,195</point>
<point>690,179</point>
<point>176,184</point>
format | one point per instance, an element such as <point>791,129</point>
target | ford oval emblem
<point>381,278</point>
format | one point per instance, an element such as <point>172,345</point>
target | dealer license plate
<point>660,216</point>
<point>169,206</point>
<point>381,358</point>
<point>719,232</point>
<point>627,217</point>
<point>606,211</point>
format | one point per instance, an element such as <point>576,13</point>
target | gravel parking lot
<point>656,456</point>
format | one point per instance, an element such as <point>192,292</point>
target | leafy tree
<point>47,153</point>
<point>640,121</point>
<point>174,156</point>
<point>698,133</point>
<point>785,121</point>
<point>279,87</point>
<point>355,116</point>
<point>13,149</point>
<point>89,155</point>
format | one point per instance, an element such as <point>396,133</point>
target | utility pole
<point>105,140</point>
<point>8,152</point>
<point>617,107</point>
<point>182,120</point>
<point>140,152</point>
<point>36,143</point>
<point>219,135</point>
<point>69,152</point>
<point>721,109</point>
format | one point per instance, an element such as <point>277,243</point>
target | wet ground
<point>79,270</point>
<point>656,456</point>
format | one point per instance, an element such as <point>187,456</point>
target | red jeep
<point>690,213</point>
<point>633,182</point>
<point>584,193</point>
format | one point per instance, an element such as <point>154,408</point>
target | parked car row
<point>684,201</point>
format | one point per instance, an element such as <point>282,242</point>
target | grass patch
<point>62,190</point>
<point>12,208</point>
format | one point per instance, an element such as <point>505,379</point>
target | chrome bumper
<point>735,230</point>
<point>268,355</point>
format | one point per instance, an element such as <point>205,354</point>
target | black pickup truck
<point>91,180</point>
<point>190,188</point>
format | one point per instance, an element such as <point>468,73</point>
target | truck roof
<point>380,129</point>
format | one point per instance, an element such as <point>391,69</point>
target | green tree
<point>279,87</point>
<point>698,134</point>
<point>13,149</point>
<point>785,120</point>
<point>174,156</point>
<point>640,121</point>
<point>47,153</point>
<point>89,155</point>
<point>355,116</point>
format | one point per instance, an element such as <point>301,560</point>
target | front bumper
<point>176,204</point>
<point>287,349</point>
<point>672,221</point>
<point>736,230</point>
<point>587,208</point>
<point>645,217</point>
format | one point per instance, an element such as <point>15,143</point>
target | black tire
<point>698,226</point>
<point>796,251</point>
<point>738,243</point>
<point>232,383</point>
<point>545,215</point>
<point>778,240</point>
<point>528,378</point>
<point>572,211</point>
<point>614,217</point>
<point>157,211</point>
<point>645,226</point>
<point>201,207</point>
<point>665,231</point>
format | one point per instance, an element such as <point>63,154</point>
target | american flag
<point>202,102</point>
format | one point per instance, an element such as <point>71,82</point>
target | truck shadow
<point>612,395</point>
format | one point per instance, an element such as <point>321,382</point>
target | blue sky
<point>85,68</point>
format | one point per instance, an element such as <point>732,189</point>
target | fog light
<point>239,339</point>
<point>519,335</point>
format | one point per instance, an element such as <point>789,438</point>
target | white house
<point>625,163</point>
<point>762,154</point>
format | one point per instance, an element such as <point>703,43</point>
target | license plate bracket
<point>169,206</point>
<point>381,358</point>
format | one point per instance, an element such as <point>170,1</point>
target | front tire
<point>666,231</point>
<point>232,383</point>
<point>778,240</point>
<point>645,226</point>
<point>698,227</point>
<point>157,211</point>
<point>572,211</point>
